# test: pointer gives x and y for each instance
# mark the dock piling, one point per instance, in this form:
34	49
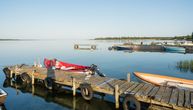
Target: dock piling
11	74
116	96
74	86
33	79
128	77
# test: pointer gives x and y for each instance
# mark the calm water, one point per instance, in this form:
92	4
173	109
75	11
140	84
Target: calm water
112	63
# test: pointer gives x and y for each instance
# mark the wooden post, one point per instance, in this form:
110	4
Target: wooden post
74	103
128	77
33	79
116	96
11	74
33	90
74	86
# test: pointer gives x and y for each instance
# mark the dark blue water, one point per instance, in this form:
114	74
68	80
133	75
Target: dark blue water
112	63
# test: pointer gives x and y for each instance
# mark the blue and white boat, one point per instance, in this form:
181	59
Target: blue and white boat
175	49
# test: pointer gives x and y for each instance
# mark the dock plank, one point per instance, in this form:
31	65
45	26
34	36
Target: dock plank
103	81
147	91
108	85
191	97
135	90
187	99
152	93
159	94
166	95
181	98
139	93
126	86
174	97
131	88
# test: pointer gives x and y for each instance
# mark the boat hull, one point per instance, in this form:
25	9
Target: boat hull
121	48
161	80
175	49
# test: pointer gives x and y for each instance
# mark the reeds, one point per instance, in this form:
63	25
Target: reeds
185	66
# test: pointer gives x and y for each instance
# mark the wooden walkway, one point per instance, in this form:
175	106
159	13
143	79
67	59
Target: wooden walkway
159	95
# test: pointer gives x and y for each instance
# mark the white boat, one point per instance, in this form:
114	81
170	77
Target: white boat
161	80
3	96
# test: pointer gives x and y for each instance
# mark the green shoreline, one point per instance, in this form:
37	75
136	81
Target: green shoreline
187	37
18	39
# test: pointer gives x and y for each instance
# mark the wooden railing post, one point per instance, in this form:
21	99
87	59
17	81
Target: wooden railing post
116	96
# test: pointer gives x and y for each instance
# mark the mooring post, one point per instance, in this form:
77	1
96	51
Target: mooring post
74	103
33	79
11	74
33	90
116	96
128	77
74	86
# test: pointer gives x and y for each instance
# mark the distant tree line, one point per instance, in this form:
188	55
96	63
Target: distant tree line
187	37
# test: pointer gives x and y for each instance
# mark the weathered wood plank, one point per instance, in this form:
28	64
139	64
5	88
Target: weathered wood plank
108	84
166	95
104	81
191	100
137	88
174	97
123	85
181	98
145	92
139	93
131	88
152	93
159	94
126	86
187	99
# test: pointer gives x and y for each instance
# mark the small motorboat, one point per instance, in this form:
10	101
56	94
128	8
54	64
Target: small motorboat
174	49
161	80
65	66
121	48
3	96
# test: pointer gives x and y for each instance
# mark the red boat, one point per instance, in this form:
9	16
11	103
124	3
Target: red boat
72	67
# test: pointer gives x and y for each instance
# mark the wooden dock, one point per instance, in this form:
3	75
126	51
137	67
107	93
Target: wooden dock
163	96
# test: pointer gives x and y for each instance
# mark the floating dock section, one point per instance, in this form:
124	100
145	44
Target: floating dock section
162	96
84	47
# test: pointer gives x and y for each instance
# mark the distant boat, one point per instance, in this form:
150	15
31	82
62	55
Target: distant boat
121	48
3	96
175	49
161	80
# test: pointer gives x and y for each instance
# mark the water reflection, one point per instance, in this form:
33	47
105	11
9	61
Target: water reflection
2	107
61	96
185	65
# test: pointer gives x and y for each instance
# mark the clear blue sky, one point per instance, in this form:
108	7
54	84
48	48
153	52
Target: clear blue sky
68	19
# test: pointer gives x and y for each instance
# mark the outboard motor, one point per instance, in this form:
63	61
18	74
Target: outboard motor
95	69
